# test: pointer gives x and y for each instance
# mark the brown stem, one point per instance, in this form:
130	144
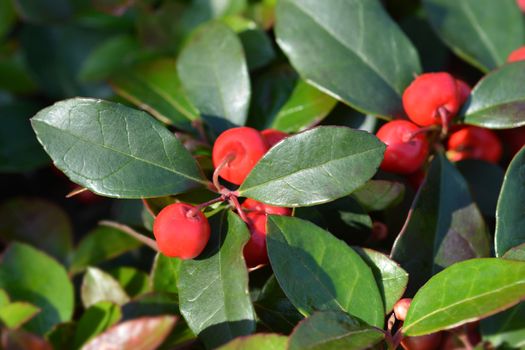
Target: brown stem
126	229
201	206
444	115
424	130
235	202
197	124
76	191
148	208
225	161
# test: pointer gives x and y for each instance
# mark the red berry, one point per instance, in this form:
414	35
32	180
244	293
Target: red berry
401	308
272	136
255	252
427	94
472	142
404	153
521	5
181	231
517	55
424	342
246	145
253	205
463	91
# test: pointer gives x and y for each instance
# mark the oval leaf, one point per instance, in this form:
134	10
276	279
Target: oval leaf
133	281
165	273
16	314
331	330
145	333
510	218
377	195
482	32
99	286
465	292
326	274
258	341
516	253
444	226
30	275
500	110
213	289
95	320
506	329
314	167
340	47
114	150
213	71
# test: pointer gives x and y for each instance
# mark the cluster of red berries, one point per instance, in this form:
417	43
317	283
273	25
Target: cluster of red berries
182	230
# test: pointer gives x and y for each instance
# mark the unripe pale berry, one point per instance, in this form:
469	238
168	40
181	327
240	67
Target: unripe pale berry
272	136
405	153
463	91
429	93
181	231
472	142
255	252
245	145
401	308
517	55
253	205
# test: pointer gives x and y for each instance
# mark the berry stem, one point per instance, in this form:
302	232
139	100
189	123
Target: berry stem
225	161
201	206
444	115
197	124
126	229
235	202
421	131
76	191
148	208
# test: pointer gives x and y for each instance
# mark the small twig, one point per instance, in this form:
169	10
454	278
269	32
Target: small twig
197	124
444	115
148	208
126	229
421	131
235	202
201	206
390	323
219	168
76	191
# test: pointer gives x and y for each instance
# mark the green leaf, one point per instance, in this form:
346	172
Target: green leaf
506	328
14	74
213	70
101	244
156	88
114	150
213	289
134	282
482	32
377	195
151	304
257	341
165	274
326	274
4	298
350	49
333	330
95	320
99	286
16	314
145	333
257	47
37	222
444	226
516	253
510	219
7	17
307	106
43	11
463	293
31	276
61	336
19	149
314	167
500	110
391	279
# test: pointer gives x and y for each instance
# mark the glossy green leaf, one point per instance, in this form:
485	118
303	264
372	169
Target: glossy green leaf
114	150
333	330
151	304
274	309
465	292
326	274
307	106
343	115
444	226
156	88
39	223
482	32
314	167
506	328
510	218
4	298
98	286
101	244
257	47
133	281
7	17
377	195
145	333
14	73
44	11
516	253
32	276
19	149
16	314
257	341
391	279
213	70
213	289
498	100
165	273
341	47
61	336
95	320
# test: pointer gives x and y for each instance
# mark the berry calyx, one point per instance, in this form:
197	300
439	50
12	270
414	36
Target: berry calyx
241	148
517	55
472	142
273	136
406	149
463	91
432	99
401	308
255	252
255	206
181	231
